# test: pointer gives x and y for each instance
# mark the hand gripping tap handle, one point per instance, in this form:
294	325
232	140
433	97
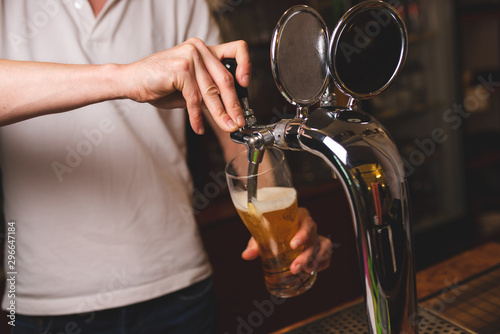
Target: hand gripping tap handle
242	92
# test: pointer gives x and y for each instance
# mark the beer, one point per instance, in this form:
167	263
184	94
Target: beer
267	203
271	218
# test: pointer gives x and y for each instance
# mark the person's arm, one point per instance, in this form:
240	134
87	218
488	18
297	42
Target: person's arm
30	89
188	75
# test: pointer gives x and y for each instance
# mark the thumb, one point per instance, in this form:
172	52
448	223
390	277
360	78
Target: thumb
252	250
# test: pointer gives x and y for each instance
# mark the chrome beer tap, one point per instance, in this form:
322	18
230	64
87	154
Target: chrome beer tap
366	51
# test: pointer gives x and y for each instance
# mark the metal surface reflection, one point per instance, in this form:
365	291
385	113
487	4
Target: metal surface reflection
355	145
373	178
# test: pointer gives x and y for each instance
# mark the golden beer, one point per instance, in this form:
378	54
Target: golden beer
272	221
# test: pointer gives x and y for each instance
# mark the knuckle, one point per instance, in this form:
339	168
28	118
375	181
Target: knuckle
183	65
242	44
328	243
190	49
227	79
234	105
219	113
194	99
310	265
194	41
212	91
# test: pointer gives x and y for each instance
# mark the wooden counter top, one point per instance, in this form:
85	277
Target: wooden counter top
457	269
439	278
465	289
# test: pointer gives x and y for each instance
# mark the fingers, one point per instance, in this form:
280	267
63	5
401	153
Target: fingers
196	71
317	251
252	250
324	255
314	258
217	84
198	87
189	87
307	229
239	51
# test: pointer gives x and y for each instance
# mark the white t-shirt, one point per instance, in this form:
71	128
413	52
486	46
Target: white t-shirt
101	196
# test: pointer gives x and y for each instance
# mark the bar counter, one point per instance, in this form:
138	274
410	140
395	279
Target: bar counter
464	290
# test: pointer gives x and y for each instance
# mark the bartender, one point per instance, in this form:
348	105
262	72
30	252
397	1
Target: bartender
93	152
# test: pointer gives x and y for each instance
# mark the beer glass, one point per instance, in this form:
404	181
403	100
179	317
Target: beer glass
270	214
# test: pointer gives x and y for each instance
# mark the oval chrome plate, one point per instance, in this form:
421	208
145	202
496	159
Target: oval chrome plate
299	55
367	50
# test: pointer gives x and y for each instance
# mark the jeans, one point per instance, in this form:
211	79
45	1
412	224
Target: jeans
187	311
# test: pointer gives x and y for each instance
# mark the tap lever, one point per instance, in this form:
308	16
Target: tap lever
230	64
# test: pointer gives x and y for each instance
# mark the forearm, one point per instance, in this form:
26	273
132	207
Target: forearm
30	89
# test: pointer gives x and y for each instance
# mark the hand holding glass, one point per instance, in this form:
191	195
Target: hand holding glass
271	218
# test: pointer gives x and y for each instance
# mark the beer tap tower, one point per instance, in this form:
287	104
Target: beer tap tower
365	52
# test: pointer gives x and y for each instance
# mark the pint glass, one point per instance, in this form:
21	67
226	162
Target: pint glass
271	218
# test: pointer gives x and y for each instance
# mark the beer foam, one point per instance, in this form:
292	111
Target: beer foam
268	199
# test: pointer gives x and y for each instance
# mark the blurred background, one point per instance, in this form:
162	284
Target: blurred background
443	112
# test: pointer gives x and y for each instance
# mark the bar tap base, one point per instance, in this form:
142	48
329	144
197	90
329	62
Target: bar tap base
458	295
352	319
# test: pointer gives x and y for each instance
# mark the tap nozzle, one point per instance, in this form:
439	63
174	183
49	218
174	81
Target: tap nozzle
254	137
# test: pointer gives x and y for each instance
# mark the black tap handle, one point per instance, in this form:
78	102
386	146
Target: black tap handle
231	65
